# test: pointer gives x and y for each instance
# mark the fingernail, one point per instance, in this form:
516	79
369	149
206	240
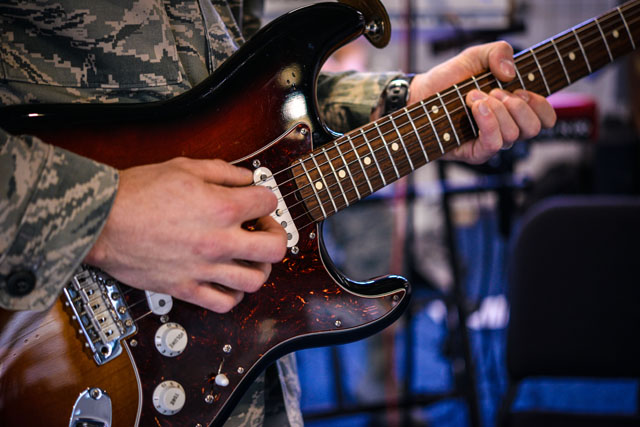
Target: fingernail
476	95
508	68
500	94
483	109
523	94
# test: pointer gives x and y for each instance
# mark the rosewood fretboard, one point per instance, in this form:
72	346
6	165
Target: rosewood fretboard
355	165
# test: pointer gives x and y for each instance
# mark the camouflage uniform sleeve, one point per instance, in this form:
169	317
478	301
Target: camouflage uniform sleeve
53	205
346	99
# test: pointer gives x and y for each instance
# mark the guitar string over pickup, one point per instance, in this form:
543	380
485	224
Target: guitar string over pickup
263	176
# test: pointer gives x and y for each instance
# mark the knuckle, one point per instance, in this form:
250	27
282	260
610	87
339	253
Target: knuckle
225	303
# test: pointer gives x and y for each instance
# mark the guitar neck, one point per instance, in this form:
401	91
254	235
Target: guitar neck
358	163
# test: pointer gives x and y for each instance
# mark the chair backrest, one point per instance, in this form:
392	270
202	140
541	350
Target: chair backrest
574	289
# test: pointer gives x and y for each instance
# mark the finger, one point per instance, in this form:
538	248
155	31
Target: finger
489	140
237	275
210	296
542	108
216	171
507	126
243	203
267	243
523	115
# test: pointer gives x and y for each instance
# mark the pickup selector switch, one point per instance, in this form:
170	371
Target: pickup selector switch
171	339
168	397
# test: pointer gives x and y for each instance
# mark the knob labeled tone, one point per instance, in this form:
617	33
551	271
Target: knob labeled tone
168	397
171	339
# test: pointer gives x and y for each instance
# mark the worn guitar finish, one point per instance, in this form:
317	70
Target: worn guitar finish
259	108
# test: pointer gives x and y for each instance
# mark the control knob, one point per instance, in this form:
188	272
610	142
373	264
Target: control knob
168	397
171	339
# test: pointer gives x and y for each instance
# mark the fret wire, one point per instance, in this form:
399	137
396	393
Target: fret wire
453	129
415	130
435	131
384	143
404	146
375	159
519	77
335	174
364	171
627	27
553	45
541	72
313	157
566	74
346	166
466	110
606	43
313	187
586	59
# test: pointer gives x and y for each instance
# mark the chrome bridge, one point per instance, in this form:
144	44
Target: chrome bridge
263	176
97	304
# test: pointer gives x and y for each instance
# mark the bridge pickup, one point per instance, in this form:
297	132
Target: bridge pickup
263	176
97	304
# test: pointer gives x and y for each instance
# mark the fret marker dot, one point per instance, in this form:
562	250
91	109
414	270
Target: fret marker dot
616	34
318	185
367	160
572	56
531	77
446	137
434	109
342	174
395	146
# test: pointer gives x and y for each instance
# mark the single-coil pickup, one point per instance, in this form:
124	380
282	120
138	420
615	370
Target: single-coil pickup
263	176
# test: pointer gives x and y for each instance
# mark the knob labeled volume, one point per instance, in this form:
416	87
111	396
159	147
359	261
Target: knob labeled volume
168	397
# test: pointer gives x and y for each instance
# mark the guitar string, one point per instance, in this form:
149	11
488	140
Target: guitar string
522	56
559	39
437	120
521	61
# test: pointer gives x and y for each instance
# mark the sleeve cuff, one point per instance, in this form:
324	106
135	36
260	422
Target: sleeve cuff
55	213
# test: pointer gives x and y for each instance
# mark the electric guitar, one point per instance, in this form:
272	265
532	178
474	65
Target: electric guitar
150	360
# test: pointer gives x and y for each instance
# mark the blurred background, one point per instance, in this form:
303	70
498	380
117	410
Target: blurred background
524	270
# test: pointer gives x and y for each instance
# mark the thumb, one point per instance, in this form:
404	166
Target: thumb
497	57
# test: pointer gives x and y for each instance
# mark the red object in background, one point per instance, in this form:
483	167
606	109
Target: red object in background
577	116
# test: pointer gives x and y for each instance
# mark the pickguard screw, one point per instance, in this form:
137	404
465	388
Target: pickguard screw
164	318
122	310
295	250
226	348
208	398
128	323
115	296
312	235
304	131
256	163
240	370
338	323
133	343
198	425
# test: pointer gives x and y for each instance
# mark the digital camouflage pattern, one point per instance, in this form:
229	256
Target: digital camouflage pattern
54	203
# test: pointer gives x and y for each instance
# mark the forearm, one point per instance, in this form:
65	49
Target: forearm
53	206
